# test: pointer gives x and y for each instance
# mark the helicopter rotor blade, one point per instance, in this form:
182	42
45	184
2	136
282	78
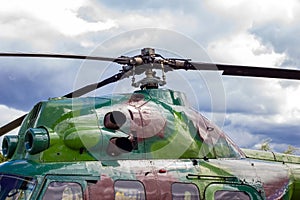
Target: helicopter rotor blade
86	89
233	70
248	71
12	125
120	60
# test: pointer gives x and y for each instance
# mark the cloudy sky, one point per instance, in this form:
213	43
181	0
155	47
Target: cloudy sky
260	33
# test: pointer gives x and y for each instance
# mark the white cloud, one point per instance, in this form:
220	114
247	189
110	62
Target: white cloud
247	13
59	15
9	114
267	28
244	138
245	48
291	109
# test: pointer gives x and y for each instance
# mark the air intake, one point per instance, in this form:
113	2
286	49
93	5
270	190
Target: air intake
36	140
9	145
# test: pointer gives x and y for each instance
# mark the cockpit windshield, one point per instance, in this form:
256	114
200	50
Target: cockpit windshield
15	187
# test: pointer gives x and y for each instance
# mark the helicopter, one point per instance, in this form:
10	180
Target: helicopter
148	144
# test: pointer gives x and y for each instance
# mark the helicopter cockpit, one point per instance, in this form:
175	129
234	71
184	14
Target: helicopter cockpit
154	122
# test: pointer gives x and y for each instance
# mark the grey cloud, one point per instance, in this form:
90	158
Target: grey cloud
283	37
153	5
24	82
253	96
285	132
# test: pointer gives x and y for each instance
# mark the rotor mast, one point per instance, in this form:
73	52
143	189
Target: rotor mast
151	81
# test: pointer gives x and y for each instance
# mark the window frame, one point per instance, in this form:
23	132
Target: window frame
232	191
186	183
127	180
66	184
29	180
48	179
212	188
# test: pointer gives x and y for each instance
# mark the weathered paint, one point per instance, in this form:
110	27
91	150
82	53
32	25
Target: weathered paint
172	143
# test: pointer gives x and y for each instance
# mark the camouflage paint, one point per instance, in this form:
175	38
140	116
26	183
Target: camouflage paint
173	144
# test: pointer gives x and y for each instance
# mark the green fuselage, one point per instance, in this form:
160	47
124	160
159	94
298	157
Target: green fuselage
162	150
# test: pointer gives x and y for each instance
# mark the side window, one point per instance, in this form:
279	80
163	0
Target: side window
16	187
229	191
126	189
63	190
229	195
182	191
